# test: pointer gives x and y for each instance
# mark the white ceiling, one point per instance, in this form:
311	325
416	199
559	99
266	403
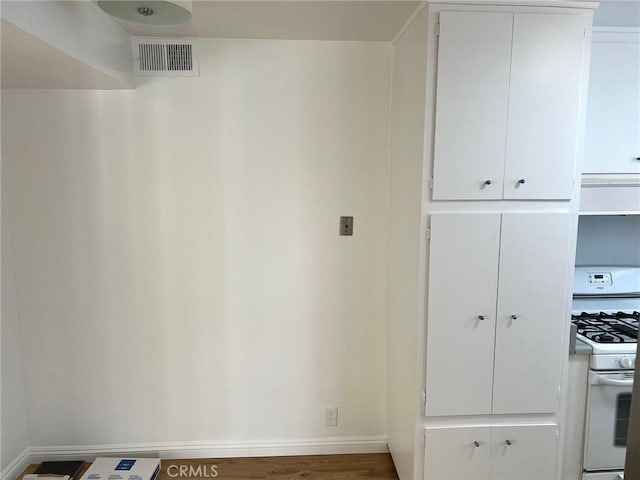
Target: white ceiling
300	20
28	62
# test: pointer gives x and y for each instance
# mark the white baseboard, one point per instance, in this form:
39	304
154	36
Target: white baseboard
17	466
315	446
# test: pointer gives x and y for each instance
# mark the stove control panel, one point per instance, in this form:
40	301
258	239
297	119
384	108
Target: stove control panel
627	362
613	362
599	278
596	280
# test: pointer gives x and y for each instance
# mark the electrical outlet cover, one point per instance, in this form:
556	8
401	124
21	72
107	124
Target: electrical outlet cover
346	226
331	417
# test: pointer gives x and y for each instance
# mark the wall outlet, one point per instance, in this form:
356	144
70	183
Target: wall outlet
331	417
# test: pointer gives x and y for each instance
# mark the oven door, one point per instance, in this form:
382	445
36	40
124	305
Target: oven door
607	423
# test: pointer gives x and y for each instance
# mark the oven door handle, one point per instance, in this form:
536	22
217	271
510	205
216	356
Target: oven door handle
602	380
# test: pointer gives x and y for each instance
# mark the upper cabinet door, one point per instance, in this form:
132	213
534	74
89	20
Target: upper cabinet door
532	316
544	101
471	105
463	271
612	136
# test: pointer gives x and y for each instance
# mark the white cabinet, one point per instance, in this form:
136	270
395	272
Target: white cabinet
484	95
612	136
471	107
492	345
534	269
516	452
463	264
524	452
507	105
457	453
544	104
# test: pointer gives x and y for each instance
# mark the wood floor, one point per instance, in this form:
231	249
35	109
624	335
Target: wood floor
378	466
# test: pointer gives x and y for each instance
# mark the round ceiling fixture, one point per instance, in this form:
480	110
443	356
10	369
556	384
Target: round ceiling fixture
149	12
145	12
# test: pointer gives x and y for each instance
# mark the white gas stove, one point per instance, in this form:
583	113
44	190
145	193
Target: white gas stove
606	314
606	309
612	334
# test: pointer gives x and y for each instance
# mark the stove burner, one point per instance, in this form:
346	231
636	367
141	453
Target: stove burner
604	338
602	327
627	330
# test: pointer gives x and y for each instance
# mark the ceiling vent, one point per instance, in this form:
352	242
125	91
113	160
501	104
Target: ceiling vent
170	57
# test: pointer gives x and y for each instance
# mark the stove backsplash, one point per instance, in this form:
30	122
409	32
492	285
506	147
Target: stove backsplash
608	240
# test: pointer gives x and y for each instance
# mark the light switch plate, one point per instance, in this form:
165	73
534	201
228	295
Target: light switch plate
346	226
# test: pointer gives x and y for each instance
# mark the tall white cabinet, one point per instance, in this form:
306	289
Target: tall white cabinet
484	187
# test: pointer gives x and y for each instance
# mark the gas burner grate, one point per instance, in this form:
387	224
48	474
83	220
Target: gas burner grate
608	327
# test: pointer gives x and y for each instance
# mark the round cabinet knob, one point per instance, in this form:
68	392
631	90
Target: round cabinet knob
521	181
480	317
476	444
514	317
627	362
637	158
508	442
487	182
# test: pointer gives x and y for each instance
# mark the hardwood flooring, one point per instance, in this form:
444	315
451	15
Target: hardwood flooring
377	466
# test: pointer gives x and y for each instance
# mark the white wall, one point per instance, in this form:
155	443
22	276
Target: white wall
14	438
178	268
608	240
620	13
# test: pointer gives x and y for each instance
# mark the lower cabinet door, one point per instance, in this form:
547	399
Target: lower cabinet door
457	453
524	452
532	299
463	280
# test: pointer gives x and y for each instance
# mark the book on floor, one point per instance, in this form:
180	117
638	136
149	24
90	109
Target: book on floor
45	476
105	468
71	468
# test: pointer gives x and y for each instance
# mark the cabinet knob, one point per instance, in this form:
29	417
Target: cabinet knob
521	181
508	442
487	182
480	317
514	317
476	444
637	158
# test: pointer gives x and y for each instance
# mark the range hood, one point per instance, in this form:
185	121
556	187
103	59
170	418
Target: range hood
610	193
